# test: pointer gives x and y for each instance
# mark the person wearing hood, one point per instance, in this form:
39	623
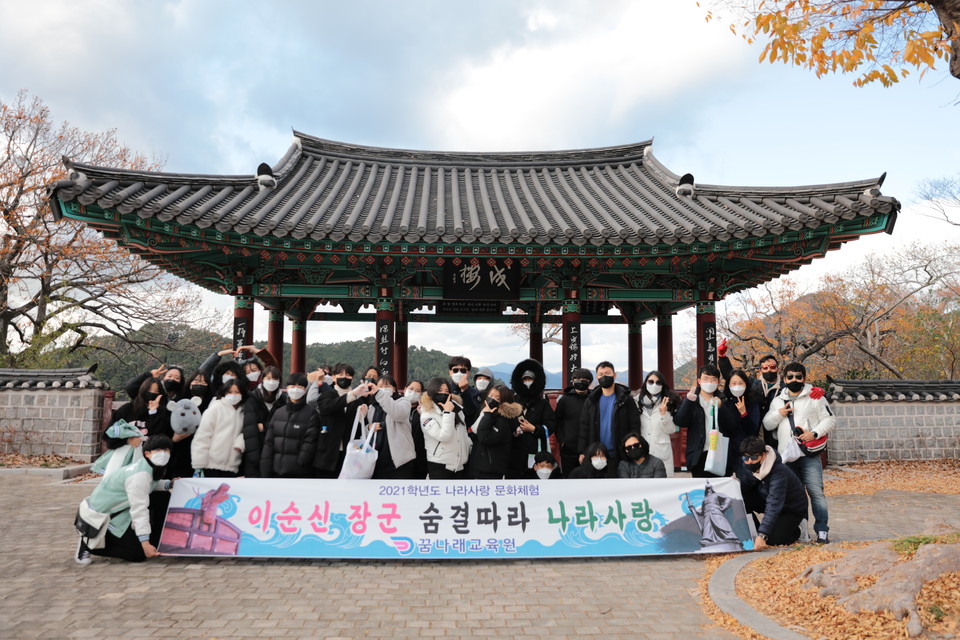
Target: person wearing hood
528	382
444	431
120	502
609	413
657	405
769	487
482	381
459	369
290	441
567	414
595	464
795	411
337	407
499	419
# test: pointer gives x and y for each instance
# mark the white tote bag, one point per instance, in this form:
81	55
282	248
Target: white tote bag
360	458
716	462
792	451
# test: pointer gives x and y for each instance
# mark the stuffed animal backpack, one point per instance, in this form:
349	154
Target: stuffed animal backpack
184	416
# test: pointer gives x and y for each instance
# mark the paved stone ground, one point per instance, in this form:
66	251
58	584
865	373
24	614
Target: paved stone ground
44	594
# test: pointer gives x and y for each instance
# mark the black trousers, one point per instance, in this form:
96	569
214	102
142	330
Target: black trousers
439	472
126	547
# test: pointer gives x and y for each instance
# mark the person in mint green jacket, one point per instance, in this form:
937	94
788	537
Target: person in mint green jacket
124	496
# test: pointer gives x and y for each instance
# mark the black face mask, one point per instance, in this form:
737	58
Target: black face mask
172	386
636	454
442	398
605	381
795	386
770	376
493	403
344	383
198	389
581	385
150	396
752	467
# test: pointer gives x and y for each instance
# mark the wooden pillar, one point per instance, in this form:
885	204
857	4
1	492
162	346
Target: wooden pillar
635	353
536	341
400	346
242	319
665	347
275	336
384	344
298	351
571	340
706	334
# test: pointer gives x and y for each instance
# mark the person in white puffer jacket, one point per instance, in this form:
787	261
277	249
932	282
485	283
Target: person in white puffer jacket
445	434
795	407
218	444
657	405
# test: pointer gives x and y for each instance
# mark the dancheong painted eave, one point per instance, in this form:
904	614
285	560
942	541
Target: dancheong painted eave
325	190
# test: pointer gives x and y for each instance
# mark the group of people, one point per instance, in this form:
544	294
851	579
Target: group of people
252	425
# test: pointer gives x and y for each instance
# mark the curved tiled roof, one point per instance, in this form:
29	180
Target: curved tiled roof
326	190
894	390
82	378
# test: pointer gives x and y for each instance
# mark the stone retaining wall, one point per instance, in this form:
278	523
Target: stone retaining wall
868	431
67	422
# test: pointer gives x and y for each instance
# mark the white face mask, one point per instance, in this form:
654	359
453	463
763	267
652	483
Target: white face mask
738	390
271	384
599	463
160	457
233	399
708	387
328	380
412	396
654	388
227	377
544	474
389	390
482	384
253	376
295	393
528	383
458	377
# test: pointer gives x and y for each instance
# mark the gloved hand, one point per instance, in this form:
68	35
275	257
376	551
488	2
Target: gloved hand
722	348
816	392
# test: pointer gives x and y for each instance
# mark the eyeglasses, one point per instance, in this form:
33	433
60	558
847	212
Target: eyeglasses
460	370
789	378
631	447
752	458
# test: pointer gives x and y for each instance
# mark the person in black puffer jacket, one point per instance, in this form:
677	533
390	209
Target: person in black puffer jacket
499	419
291	436
528	382
569	408
770	487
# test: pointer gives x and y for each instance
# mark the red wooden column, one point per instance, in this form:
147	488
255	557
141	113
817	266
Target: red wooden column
242	318
706	334
384	343
275	336
635	353
571	340
665	347
298	351
536	341
400	354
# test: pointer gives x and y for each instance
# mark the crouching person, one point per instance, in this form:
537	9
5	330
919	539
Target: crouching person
771	488
115	521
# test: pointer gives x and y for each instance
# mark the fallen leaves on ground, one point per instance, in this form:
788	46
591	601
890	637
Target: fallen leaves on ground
923	476
726	621
50	460
939	605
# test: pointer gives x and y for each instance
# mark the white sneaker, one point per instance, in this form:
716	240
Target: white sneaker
83	556
822	537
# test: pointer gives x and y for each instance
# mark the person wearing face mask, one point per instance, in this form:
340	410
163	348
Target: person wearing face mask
567	414
459	369
260	405
494	430
546	467
482	381
290	440
595	463
218	445
637	461
699	411
657	405
795	410
413	394
228	371
609	413
528	382
742	399
147	411
119	507
171	381
198	389
337	407
444	431
771	488
390	419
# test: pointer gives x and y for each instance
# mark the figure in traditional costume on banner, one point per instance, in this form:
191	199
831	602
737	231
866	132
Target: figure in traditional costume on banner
716	534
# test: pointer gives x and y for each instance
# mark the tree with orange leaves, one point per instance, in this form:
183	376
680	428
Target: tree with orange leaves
60	281
882	40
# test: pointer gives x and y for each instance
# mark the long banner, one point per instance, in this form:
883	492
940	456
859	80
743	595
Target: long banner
447	519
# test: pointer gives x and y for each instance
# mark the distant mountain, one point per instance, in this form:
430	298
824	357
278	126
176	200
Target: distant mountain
554	378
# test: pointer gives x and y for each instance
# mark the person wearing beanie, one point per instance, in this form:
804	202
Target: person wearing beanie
569	408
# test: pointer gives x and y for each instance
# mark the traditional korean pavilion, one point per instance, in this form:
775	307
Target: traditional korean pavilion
426	236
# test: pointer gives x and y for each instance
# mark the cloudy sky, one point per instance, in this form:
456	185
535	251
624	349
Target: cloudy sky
216	87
